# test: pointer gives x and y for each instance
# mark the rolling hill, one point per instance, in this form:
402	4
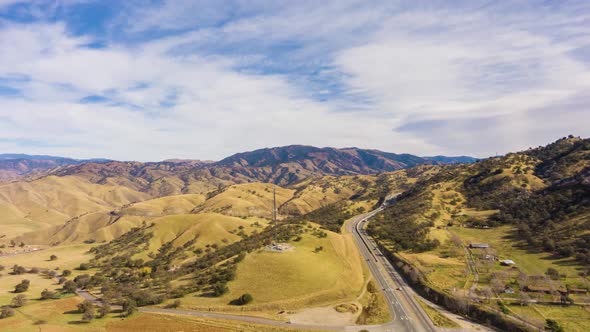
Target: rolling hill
52	200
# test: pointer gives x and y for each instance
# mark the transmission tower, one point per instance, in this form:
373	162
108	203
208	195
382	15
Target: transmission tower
274	204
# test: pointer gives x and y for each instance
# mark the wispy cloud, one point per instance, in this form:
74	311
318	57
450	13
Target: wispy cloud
204	79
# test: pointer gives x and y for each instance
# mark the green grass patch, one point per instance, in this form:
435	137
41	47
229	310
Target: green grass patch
436	317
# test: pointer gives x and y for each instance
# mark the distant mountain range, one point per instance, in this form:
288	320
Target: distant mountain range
16	166
280	165
453	160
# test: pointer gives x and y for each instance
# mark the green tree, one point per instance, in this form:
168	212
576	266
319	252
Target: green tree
22	287
219	289
245	299
69	287
46	294
129	307
85	306
552	273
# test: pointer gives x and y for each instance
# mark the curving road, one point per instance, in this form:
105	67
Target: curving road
407	315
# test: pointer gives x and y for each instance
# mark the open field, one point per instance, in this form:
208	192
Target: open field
60	315
171	323
533	263
68	257
38	284
572	318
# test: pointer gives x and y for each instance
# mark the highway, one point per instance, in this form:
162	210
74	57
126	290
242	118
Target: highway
407	315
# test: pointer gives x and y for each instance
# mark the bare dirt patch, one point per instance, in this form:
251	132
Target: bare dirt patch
324	316
279	247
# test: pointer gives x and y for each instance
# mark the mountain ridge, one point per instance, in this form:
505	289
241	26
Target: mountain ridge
280	165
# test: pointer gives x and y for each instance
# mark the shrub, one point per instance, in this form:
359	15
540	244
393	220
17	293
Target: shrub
17	269
84	266
174	304
46	294
85	306
53	258
88	315
19	301
103	310
6	312
552	326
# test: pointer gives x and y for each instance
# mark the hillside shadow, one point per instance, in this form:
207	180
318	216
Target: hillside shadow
78	322
235	302
71	312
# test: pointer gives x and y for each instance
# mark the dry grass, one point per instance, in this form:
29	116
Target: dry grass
250	199
68	257
168	205
170	323
49	201
295	279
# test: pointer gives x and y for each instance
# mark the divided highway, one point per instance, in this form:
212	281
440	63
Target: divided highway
407	314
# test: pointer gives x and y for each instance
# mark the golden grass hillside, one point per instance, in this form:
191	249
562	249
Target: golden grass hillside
207	228
303	277
168	205
249	199
315	193
50	201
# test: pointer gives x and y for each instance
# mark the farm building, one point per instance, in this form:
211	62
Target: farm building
578	291
542	289
507	262
478	245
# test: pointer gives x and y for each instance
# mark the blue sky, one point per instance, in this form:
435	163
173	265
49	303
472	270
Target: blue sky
150	80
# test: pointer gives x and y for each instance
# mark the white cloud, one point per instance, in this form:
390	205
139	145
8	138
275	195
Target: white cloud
182	96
